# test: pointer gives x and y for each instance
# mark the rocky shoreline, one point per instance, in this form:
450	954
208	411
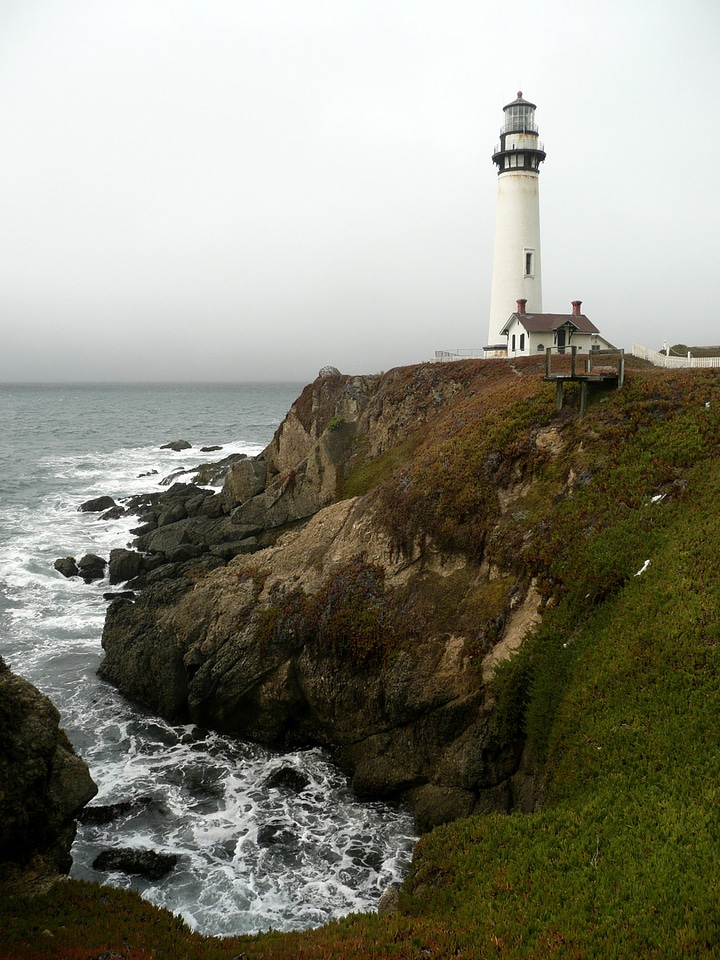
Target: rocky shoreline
280	609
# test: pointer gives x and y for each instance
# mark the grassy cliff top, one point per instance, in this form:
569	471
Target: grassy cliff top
616	692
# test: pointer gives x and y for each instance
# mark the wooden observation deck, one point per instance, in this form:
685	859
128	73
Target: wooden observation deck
600	367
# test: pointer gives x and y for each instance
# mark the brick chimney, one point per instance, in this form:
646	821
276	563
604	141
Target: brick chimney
576	304
521	306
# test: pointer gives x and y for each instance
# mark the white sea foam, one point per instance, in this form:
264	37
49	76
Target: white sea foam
250	856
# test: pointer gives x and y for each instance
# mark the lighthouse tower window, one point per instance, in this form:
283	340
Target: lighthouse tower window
529	265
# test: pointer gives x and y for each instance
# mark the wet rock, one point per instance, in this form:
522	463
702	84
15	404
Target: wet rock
210	474
108	812
67	566
124	594
143	863
91	567
43	784
274	835
104	813
287	778
210	449
177	445
124	565
114	513
97	505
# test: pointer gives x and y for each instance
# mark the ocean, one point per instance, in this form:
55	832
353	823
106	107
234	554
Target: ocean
186	791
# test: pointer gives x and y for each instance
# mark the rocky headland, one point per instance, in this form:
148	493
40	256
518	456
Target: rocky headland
465	519
314	601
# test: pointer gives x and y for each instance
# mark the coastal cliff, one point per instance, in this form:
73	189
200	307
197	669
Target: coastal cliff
365	615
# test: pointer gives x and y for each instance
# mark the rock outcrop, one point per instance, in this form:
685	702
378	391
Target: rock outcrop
43	783
313	624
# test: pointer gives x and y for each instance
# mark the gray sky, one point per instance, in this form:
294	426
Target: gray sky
233	190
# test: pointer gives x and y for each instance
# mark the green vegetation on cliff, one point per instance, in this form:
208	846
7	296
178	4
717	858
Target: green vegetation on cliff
615	694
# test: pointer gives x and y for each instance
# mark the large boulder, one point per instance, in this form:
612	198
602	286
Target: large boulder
97	505
67	566
92	567
43	783
177	445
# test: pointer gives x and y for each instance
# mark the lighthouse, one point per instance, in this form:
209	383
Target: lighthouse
516	261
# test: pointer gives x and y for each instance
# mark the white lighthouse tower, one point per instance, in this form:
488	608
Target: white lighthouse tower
516	262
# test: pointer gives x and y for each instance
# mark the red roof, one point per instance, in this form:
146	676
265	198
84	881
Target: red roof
547	322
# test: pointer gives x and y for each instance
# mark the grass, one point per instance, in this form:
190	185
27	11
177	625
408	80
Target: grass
615	695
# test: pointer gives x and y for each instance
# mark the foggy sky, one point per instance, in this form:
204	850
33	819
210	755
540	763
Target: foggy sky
220	189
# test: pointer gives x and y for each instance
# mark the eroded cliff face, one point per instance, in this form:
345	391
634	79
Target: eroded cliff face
336	632
43	783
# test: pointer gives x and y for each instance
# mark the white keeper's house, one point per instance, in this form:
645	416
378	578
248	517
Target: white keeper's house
529	333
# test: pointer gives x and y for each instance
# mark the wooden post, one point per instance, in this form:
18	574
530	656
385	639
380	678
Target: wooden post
588	361
573	362
621	369
583	397
558	396
547	361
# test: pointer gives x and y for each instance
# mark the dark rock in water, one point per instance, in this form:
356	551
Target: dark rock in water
124	565
143	863
275	834
172	477
210	474
114	513
104	813
142	503
287	778
67	566
107	812
211	449
97	505
43	784
144	528
177	445
124	594
91	567
148	473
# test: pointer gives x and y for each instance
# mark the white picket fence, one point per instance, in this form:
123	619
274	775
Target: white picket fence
661	360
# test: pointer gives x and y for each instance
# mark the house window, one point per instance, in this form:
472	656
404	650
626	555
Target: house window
540	348
529	263
513	343
522	342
